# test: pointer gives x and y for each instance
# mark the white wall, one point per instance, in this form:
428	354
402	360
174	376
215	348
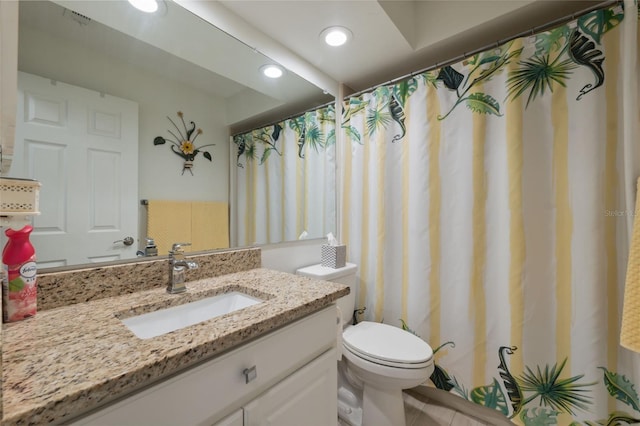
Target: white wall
159	169
292	255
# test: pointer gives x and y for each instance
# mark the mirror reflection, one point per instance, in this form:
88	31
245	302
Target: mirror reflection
98	82
286	176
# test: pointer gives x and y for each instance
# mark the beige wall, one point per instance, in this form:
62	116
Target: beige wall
8	78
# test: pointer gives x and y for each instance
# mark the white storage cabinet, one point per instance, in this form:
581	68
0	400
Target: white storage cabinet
287	377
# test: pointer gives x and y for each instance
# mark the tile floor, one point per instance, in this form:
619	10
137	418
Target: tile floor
431	407
429	413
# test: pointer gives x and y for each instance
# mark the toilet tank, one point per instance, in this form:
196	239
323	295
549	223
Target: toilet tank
345	275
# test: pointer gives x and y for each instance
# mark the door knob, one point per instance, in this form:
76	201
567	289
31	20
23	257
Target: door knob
127	241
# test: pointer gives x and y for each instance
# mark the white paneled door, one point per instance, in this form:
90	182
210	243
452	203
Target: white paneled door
83	147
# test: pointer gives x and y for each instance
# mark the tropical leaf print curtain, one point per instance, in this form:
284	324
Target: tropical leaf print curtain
286	179
484	204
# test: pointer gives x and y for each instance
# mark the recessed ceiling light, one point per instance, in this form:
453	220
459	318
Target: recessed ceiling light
336	36
148	6
272	71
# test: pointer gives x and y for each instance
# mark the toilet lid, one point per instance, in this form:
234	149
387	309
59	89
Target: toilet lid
385	343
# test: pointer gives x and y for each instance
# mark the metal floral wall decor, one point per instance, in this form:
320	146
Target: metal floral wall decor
183	144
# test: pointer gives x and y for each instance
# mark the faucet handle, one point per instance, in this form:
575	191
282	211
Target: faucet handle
177	247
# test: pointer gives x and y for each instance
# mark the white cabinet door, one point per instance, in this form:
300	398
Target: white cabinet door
234	419
307	397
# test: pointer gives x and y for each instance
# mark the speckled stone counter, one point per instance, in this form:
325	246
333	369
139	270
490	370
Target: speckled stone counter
68	360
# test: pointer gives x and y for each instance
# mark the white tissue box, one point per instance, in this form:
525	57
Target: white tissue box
333	256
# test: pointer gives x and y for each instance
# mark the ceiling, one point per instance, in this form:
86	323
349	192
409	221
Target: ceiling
203	57
392	38
396	37
63	24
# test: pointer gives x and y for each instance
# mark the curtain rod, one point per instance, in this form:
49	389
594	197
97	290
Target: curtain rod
315	108
493	45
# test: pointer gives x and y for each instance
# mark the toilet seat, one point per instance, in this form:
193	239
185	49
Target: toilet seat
387	345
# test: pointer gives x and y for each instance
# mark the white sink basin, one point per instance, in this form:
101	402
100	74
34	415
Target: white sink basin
156	323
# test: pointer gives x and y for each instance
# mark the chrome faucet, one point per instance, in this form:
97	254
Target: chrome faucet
177	267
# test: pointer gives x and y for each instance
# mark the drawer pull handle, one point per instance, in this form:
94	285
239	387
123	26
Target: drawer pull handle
250	374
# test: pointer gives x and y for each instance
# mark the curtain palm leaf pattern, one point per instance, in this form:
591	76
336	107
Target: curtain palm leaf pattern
481	202
285	179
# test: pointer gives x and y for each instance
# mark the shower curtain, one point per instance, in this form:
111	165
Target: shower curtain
286	179
488	204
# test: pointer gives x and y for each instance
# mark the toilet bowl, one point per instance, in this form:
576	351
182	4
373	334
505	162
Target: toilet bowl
386	360
378	361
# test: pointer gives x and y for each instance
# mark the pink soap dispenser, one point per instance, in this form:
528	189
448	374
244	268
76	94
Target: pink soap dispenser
19	288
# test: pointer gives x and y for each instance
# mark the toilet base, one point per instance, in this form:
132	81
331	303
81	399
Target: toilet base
349	397
349	415
382	407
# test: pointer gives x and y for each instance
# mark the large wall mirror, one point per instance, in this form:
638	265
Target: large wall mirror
109	78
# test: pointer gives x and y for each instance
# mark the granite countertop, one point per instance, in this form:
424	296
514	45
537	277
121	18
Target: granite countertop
68	360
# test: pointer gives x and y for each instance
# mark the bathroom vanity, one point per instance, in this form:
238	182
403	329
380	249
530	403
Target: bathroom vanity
273	362
287	377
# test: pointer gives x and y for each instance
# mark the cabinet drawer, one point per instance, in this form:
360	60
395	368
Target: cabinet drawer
207	392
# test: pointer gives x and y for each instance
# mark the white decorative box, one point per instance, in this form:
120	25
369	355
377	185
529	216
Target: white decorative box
333	256
19	196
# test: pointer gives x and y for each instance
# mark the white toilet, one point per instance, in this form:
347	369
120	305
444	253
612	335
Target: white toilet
379	360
